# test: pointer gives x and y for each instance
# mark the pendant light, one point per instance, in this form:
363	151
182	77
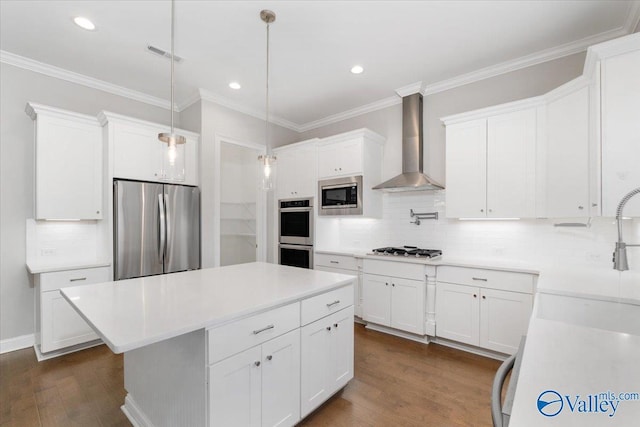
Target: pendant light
267	161
173	159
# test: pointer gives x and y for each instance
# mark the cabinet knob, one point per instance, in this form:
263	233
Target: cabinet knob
269	357
328	328
335	325
257	363
386	284
580	207
475	296
594	204
393	284
97	212
481	210
340	169
484	297
490	210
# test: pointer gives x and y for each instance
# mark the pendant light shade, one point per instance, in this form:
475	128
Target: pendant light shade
173	158
267	162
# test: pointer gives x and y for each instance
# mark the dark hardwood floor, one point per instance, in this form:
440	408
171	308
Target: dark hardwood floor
397	383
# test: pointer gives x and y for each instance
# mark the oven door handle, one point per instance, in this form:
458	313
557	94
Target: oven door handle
309	209
298	247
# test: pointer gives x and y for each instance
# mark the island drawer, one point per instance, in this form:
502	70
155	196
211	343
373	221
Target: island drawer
344	262
317	307
234	337
493	279
62	279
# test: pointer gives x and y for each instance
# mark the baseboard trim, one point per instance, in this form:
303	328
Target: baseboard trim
134	414
470	349
17	343
56	353
401	334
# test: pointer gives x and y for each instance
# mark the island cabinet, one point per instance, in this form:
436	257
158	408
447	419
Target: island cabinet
395	295
327	352
483	308
344	264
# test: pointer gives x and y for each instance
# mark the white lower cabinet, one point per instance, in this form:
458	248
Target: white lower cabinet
395	302
327	358
493	319
258	387
58	324
343	264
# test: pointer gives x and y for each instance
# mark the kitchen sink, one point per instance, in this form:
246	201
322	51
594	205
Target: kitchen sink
591	313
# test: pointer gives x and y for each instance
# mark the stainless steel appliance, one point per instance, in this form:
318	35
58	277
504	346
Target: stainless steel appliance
296	232
407	251
156	228
340	196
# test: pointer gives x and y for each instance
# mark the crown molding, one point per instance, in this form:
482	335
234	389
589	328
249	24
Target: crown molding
481	113
407	90
104	117
70	76
205	95
33	110
633	17
525	61
368	108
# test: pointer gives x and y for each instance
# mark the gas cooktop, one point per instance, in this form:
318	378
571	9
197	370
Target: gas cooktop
408	251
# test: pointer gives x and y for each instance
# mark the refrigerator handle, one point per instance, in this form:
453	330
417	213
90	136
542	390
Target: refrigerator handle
161	226
168	224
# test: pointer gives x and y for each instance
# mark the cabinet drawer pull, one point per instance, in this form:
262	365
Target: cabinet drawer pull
269	357
333	303
257	363
328	328
334	262
266	328
479	278
78	279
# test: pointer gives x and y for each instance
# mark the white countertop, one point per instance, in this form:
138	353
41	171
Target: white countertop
132	313
576	361
36	268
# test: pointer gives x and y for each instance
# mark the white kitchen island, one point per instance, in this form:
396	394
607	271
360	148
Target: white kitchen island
250	345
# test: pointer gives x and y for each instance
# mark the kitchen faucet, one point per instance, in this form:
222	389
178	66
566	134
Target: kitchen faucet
620	253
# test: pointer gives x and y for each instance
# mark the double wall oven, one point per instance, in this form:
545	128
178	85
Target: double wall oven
295	243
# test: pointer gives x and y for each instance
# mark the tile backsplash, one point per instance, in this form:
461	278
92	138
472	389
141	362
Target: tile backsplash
529	240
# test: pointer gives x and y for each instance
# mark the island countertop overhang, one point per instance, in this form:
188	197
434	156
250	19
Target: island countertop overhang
133	313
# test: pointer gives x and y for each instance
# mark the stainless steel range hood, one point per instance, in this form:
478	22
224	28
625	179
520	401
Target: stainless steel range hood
412	177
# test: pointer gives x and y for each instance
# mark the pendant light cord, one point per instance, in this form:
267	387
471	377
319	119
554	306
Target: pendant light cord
172	81
266	124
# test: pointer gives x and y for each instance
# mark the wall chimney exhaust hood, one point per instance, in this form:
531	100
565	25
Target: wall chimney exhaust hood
412	177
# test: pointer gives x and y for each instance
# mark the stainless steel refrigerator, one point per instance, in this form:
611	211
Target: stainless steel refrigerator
156	228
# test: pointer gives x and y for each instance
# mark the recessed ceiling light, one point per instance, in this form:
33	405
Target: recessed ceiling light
234	85
357	69
85	23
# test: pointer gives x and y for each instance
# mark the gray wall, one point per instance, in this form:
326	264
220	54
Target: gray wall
17	87
524	83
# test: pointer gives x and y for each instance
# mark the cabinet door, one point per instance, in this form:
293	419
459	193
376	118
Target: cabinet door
68	169
306	180
191	162
466	172
567	156
376	305
137	153
340	159
315	347
620	88
457	313
281	380
511	150
504	318
341	367
235	390
286	174
62	326
407	305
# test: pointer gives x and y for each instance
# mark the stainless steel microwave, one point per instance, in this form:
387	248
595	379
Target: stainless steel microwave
340	196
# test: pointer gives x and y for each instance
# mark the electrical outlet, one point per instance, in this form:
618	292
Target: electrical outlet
48	251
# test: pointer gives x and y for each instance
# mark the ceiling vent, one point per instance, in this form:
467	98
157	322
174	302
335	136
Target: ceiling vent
160	52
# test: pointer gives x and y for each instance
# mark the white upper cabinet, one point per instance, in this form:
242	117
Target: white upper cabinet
296	170
358	152
565	156
491	165
620	121
136	152
68	164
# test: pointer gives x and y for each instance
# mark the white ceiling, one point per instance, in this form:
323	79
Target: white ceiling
313	45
